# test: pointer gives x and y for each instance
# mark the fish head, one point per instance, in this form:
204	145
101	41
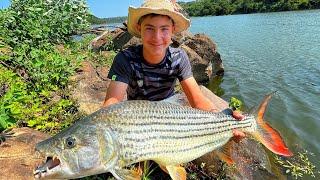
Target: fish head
80	150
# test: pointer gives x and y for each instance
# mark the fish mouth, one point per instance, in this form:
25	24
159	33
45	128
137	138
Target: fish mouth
45	169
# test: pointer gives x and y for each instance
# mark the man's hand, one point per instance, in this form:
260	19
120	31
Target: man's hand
238	115
237	134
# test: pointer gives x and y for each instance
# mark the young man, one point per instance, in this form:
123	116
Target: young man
150	71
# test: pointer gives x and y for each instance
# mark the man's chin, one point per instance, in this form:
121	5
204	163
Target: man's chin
158	50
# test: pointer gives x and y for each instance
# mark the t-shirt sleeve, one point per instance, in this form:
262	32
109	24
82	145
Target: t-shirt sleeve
185	67
120	69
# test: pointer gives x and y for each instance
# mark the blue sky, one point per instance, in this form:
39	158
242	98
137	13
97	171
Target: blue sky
103	8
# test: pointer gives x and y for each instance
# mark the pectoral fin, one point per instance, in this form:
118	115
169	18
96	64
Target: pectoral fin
127	174
177	172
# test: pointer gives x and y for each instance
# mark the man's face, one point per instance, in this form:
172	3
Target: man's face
156	35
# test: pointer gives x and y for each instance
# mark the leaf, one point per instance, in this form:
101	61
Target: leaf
32	123
288	171
4	121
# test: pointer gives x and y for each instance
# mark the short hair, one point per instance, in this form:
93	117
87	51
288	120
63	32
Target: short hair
153	15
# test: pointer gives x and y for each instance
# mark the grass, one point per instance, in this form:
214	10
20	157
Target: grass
298	166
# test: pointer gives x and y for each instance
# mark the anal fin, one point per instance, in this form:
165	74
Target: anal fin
127	174
177	172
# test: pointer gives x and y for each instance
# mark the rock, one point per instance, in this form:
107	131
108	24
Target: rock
116	39
133	41
98	42
17	155
250	162
180	38
90	87
198	65
207	50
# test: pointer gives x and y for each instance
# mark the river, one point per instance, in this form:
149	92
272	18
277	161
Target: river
270	52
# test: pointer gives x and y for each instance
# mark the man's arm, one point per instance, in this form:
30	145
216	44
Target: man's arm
199	101
115	93
195	96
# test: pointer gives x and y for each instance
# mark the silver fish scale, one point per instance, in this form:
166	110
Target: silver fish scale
168	133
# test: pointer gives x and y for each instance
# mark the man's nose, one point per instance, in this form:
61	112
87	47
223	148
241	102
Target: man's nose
157	34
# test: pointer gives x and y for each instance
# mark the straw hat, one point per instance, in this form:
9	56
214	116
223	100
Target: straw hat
163	7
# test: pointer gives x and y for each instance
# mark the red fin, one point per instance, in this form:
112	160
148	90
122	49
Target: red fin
267	135
263	107
224	154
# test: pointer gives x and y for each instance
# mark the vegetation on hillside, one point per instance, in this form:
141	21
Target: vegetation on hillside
36	61
95	20
224	7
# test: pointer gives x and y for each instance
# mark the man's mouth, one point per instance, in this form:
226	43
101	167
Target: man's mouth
44	169
156	45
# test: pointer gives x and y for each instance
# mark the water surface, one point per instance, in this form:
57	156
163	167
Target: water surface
270	52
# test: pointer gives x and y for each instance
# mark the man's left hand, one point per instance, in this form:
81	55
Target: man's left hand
238	115
237	134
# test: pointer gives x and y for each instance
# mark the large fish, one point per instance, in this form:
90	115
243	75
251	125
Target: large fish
133	131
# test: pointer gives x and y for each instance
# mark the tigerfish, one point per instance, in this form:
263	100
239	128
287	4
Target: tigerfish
132	131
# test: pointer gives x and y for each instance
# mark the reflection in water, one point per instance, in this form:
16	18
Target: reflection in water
215	85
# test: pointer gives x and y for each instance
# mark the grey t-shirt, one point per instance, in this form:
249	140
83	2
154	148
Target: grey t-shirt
147	81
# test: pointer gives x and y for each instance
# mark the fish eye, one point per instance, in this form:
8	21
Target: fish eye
70	142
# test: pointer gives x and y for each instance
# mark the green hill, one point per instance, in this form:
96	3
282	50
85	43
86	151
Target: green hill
223	7
95	20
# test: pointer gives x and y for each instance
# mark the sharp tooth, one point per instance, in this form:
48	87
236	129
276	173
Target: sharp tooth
37	155
37	176
36	172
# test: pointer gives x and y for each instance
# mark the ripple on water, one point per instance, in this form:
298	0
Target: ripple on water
273	51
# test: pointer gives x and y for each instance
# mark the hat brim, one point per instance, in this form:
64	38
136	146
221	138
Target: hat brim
181	23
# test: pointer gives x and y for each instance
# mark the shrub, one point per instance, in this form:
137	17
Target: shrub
37	23
13	98
34	72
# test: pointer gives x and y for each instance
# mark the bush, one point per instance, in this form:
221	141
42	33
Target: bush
34	72
37	23
13	98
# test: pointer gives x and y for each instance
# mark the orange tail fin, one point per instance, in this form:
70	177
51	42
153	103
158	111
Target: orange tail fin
267	135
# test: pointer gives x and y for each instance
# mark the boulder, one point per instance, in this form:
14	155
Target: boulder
17	154
98	42
199	65
90	87
132	42
207	50
180	38
250	162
